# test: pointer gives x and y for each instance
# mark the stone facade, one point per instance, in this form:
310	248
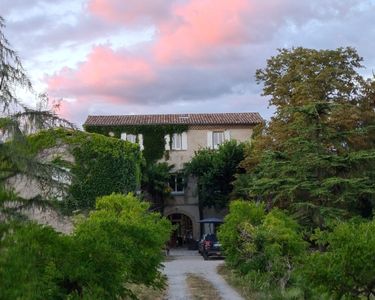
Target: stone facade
203	130
186	202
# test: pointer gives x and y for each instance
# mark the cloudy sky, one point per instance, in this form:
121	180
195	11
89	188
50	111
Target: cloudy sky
172	56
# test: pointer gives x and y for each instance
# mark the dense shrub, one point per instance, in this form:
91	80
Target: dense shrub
119	243
347	268
240	212
262	247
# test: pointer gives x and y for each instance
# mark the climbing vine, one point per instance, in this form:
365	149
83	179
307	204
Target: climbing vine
153	136
102	165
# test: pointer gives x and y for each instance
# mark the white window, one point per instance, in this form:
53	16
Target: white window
131	138
176	183
216	138
177	141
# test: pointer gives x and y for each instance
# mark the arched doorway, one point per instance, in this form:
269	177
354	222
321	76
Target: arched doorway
182	235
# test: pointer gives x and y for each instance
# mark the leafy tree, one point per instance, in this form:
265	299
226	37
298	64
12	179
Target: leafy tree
215	170
346	270
120	243
316	156
155	179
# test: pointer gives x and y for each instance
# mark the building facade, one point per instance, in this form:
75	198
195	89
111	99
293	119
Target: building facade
193	132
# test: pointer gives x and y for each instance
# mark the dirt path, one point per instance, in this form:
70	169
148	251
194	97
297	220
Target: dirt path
190	262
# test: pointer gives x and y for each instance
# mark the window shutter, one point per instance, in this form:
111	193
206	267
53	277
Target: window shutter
184	141
167	140
123	136
140	141
227	135
209	139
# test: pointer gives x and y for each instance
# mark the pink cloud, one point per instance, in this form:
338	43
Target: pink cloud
201	26
102	72
102	77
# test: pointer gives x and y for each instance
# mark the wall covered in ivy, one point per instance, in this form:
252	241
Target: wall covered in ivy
153	136
102	165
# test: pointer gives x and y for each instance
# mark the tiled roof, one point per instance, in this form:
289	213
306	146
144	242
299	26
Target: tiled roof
246	118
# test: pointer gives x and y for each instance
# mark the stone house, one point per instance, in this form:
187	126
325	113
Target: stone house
196	131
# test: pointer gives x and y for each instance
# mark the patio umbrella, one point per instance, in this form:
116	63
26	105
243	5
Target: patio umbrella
211	220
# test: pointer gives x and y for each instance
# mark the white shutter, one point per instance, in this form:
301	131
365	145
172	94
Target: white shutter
227	135
123	136
140	141
209	139
167	140
184	141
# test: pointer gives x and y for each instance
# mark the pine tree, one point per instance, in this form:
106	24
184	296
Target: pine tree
17	120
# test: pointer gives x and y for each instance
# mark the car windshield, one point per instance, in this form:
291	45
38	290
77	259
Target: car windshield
211	237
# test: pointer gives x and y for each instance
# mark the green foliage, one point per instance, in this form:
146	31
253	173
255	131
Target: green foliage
102	165
155	180
240	212
31	262
346	270
119	243
263	248
134	237
215	170
316	156
153	136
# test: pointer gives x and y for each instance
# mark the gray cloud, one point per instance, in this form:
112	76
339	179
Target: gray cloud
220	79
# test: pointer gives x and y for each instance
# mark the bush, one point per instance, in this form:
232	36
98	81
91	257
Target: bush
31	257
347	268
119	243
261	247
240	212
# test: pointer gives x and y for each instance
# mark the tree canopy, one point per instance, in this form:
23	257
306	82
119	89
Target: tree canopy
215	171
316	156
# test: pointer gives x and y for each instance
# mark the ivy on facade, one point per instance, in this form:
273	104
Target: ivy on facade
153	136
101	165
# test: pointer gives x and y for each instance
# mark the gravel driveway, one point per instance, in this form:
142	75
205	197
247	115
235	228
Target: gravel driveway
184	262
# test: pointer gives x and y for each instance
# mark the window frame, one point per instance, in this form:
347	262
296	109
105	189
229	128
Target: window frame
215	133
133	138
174	189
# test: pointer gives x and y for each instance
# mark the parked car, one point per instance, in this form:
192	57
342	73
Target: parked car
209	246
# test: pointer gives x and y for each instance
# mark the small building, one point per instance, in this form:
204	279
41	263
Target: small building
178	137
